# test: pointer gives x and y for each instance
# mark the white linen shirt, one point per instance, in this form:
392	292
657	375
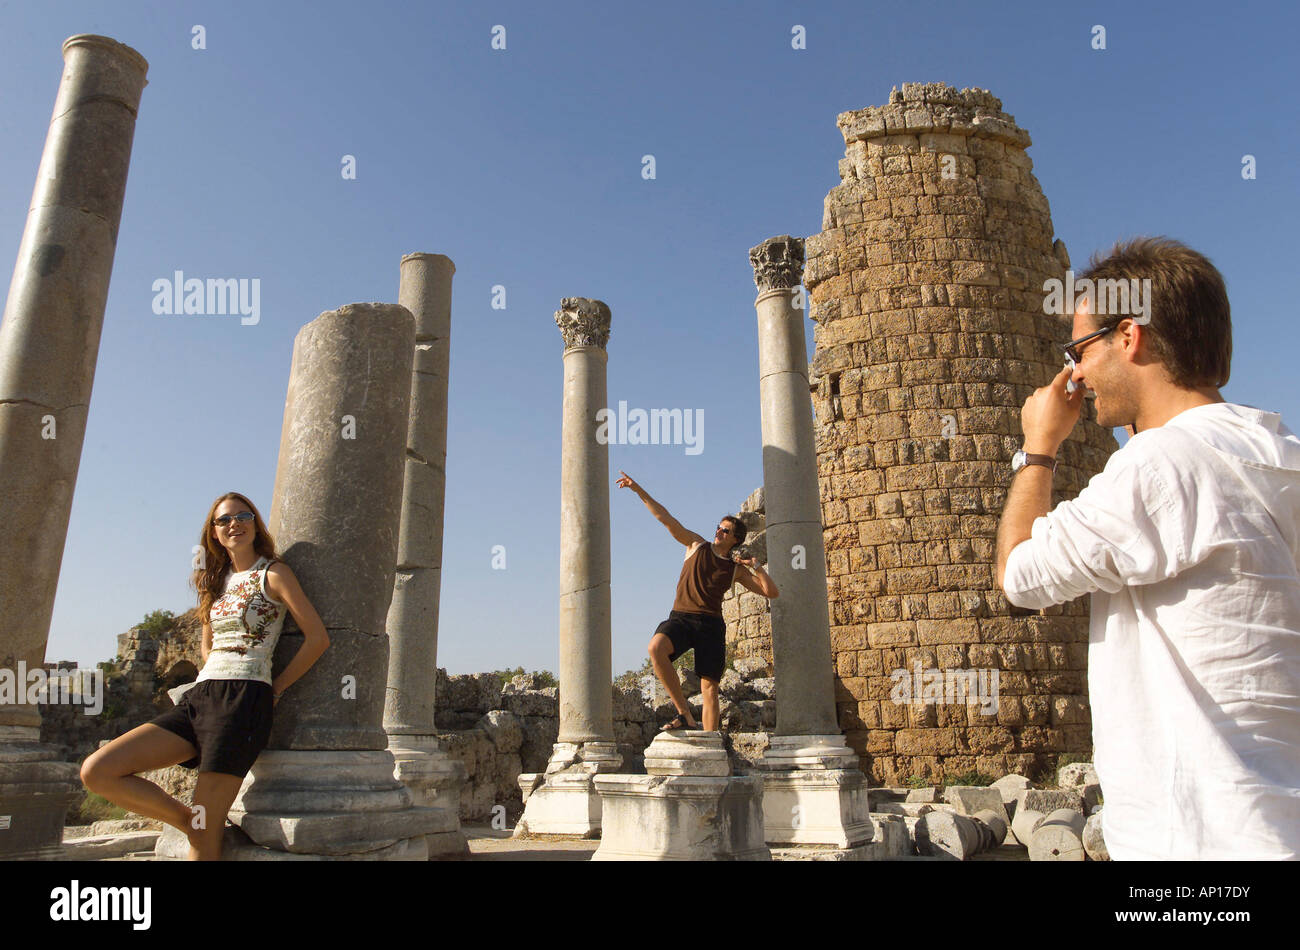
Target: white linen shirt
1189	542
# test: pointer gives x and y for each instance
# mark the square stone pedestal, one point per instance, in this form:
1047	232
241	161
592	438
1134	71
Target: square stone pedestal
36	791
563	801
816	807
435	781
688	808
332	804
815	796
681	818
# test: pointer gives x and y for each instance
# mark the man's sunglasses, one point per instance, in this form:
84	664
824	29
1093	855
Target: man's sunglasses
1071	348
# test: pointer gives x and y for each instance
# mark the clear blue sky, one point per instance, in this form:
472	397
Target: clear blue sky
524	167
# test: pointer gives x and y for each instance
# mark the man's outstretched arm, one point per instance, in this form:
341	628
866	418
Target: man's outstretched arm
680	534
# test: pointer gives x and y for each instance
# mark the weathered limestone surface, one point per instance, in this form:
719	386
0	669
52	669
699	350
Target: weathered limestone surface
325	785
49	344
813	793
688	808
801	647
566	800
926	287
1059	837
423	765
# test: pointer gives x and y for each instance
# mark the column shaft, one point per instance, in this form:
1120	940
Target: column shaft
413	617
49	340
49	344
586	703
801	637
325	785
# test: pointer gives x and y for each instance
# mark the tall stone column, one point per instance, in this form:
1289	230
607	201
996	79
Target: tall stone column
813	791
434	778
325	786
49	343
567	802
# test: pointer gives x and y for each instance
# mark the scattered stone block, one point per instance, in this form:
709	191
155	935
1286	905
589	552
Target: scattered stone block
1022	827
1049	800
1077	774
1059	837
889	838
969	800
1009	786
947	835
1094	845
996	823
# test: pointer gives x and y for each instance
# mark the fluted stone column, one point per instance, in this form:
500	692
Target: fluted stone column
566	802
325	786
813	790
434	778
49	343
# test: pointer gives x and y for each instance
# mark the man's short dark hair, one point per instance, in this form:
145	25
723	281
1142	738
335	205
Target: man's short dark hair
738	529
1190	330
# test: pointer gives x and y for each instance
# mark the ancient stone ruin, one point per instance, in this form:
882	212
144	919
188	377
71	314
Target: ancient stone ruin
926	291
877	520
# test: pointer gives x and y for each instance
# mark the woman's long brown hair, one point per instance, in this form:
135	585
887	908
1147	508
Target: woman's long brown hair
210	579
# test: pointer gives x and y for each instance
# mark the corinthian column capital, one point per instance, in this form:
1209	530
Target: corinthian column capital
777	263
583	322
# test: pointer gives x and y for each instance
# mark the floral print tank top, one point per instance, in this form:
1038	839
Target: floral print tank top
246	624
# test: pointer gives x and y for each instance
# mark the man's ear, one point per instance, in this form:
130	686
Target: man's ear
1131	339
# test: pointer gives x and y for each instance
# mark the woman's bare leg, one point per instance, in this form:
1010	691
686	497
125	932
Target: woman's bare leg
213	796
110	772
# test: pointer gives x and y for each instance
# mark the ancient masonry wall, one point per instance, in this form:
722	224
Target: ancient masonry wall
926	291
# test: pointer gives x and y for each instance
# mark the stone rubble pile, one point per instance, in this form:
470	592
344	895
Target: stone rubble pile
961	821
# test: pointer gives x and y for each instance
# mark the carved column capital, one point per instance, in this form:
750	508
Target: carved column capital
583	322
778	263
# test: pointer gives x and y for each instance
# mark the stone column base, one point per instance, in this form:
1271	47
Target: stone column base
683	752
681	818
435	780
335	803
563	801
816	807
808	752
36	791
237	846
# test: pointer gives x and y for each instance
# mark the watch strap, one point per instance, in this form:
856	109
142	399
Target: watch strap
1045	460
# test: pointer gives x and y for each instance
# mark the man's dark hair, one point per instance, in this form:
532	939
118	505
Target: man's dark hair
1190	330
738	529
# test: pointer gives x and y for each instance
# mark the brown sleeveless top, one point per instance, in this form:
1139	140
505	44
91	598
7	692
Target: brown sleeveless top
705	579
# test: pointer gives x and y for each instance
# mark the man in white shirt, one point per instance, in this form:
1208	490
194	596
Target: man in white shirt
1189	543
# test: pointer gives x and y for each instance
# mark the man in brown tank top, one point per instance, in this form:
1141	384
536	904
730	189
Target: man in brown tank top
695	621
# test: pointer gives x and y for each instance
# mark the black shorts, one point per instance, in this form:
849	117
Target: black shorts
228	721
706	634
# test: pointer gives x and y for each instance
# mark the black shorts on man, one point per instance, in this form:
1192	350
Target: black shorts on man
228	721
706	634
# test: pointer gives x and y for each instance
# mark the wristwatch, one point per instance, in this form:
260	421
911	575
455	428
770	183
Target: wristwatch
1023	458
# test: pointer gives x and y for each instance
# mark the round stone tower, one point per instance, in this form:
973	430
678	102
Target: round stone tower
927	293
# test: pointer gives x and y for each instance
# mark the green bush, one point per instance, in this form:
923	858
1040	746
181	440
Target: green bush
970	778
112	710
631	679
94	808
157	623
918	781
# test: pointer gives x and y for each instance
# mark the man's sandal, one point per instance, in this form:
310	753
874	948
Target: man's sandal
677	723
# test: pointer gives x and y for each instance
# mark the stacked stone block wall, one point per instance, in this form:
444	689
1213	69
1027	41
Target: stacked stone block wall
926	288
